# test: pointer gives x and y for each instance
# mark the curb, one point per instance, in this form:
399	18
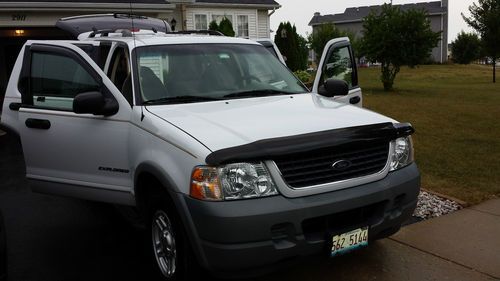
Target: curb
458	201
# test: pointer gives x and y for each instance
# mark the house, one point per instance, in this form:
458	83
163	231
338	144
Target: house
352	20
35	19
250	18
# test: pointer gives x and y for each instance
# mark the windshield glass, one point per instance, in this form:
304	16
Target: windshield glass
205	72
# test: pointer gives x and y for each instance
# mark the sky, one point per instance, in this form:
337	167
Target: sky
301	12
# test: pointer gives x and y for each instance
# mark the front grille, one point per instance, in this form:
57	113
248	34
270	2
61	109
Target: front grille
315	167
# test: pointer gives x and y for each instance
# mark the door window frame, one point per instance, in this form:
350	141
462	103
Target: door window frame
24	84
355	79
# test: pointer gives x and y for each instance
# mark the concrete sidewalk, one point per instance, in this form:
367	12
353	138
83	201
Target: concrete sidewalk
461	246
469	238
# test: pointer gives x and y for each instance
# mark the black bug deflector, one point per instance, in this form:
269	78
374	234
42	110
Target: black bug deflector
81	24
271	148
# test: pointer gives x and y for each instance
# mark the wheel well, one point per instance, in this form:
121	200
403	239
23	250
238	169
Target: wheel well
148	185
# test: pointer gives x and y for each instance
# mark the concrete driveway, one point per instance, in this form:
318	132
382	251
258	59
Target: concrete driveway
52	238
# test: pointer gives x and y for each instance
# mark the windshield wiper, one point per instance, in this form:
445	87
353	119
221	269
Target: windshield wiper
179	99
258	93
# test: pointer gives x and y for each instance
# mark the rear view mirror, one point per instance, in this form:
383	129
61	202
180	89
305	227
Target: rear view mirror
94	103
334	87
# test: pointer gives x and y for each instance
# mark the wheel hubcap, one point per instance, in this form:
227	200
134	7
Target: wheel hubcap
164	244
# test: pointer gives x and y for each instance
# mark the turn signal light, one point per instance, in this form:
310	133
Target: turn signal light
205	184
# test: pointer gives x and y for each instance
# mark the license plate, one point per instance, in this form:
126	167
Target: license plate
349	241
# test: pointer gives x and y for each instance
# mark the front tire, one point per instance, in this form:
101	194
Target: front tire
164	244
170	249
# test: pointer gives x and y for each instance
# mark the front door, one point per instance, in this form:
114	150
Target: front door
338	62
73	152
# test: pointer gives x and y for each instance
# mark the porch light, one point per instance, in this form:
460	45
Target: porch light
173	23
19	31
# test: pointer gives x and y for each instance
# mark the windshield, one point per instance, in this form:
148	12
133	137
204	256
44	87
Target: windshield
206	72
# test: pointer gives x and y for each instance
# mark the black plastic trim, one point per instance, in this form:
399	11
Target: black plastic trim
14	106
37	124
40	48
270	148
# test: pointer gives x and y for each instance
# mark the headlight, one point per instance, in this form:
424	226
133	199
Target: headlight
402	153
232	182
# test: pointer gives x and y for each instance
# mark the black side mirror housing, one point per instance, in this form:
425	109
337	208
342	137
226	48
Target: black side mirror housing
94	103
334	87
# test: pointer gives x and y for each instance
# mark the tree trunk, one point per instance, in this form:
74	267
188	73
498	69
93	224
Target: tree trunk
494	70
389	73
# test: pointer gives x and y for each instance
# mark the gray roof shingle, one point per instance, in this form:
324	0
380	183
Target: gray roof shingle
357	14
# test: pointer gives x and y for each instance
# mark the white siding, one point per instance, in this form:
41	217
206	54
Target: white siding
253	29
263	28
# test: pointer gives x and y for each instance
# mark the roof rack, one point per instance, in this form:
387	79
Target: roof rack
206	32
107	23
106	32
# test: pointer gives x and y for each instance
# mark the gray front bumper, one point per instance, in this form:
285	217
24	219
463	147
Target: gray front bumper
240	235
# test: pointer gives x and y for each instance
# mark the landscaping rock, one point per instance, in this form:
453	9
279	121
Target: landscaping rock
432	206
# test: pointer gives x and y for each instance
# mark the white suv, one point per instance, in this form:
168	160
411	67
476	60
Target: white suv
234	164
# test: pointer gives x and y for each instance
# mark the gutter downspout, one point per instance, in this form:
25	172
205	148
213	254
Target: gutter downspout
271	13
184	16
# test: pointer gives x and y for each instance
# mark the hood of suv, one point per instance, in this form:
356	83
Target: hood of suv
224	124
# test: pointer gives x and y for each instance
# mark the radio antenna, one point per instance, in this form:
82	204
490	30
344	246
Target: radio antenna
133	36
132	19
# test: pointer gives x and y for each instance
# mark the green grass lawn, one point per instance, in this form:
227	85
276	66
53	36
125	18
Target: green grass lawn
456	113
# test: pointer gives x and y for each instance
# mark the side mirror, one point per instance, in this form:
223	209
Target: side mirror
94	103
334	87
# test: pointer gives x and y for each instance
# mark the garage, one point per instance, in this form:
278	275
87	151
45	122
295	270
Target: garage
35	20
11	42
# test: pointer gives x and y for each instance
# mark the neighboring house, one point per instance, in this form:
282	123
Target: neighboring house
352	20
35	19
250	18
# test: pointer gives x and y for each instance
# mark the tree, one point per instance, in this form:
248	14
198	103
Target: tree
226	27
303	52
485	19
466	48
213	26
396	38
292	46
321	35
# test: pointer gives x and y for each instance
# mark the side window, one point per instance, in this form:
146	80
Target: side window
57	79
339	65
103	54
98	53
119	73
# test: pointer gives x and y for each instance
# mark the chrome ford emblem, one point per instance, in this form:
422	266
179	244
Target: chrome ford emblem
341	165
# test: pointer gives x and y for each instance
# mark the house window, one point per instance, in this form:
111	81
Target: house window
201	22
218	18
243	26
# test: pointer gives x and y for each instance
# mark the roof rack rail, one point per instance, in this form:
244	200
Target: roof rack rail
207	32
106	32
128	16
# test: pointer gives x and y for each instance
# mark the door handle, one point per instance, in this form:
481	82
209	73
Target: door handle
37	124
14	106
355	100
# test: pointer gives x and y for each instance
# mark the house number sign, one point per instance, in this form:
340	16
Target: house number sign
18	17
